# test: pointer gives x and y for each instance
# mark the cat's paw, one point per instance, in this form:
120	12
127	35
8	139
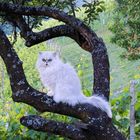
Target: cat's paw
50	93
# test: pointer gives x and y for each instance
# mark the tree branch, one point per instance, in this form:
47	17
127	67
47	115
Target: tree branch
95	45
23	92
50	12
57	31
99	126
40	124
33	38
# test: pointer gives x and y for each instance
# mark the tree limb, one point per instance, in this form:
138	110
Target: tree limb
40	124
95	45
99	126
33	38
37	99
23	92
50	12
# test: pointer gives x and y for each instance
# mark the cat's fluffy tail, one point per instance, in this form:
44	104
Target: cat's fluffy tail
99	102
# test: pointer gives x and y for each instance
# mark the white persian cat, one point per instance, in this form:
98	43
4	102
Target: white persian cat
63	83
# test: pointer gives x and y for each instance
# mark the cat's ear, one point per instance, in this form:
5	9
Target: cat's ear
40	53
56	54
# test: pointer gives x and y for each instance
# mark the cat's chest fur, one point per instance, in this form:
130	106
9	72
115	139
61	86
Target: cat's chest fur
50	77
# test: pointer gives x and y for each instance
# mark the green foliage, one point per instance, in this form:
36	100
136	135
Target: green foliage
126	27
92	10
121	109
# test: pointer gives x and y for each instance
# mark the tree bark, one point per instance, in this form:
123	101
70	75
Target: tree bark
98	125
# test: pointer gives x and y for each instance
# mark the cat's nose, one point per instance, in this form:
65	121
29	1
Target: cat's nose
46	64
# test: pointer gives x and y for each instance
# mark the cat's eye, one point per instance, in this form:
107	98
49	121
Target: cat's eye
44	60
49	60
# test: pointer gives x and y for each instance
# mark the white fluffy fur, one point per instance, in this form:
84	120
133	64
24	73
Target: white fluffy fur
63	83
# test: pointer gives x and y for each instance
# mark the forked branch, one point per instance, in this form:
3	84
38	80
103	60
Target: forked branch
99	126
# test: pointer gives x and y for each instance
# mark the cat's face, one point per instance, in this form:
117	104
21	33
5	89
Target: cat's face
47	59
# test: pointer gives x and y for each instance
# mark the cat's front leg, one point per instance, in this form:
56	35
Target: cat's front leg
50	93
49	90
